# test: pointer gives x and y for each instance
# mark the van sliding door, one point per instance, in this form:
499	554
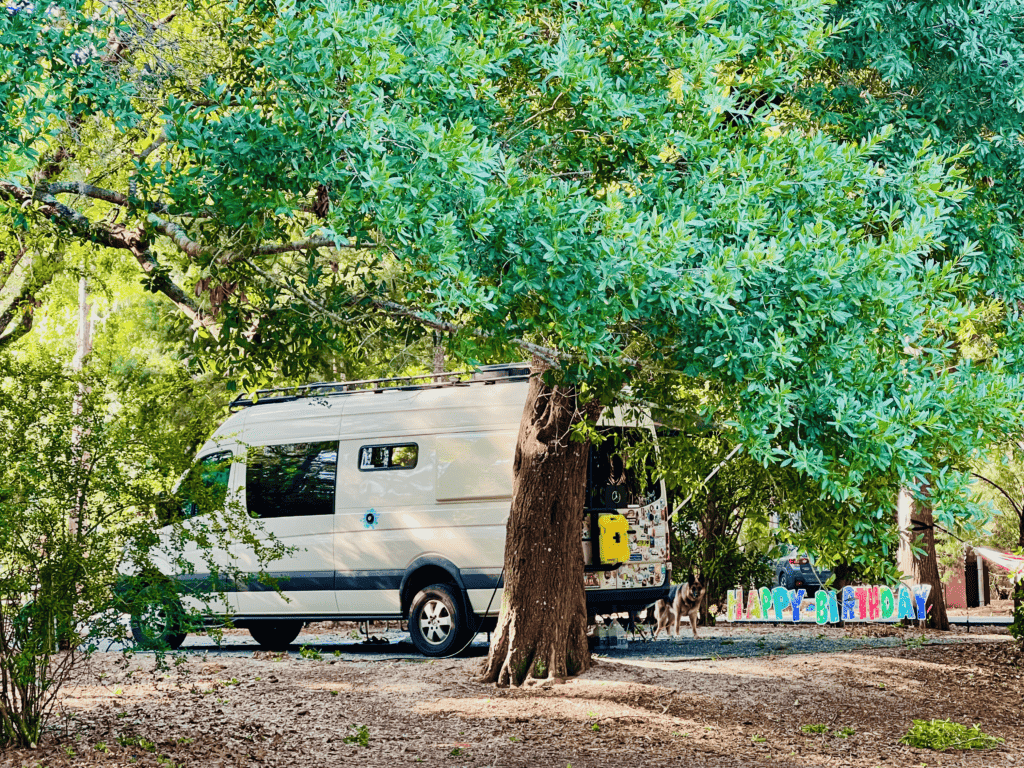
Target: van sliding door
290	489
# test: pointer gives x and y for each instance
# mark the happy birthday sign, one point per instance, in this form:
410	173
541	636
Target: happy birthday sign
876	603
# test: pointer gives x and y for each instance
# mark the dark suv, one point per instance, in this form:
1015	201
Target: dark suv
797	571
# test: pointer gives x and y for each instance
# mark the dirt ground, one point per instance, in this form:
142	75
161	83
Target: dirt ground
260	709
997	607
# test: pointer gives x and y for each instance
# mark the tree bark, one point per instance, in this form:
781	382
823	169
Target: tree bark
926	567
438	363
542	626
904	513
1018	587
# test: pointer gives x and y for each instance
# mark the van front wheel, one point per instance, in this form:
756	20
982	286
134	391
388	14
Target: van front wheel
157	621
437	621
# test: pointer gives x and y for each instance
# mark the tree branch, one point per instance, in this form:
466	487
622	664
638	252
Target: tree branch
158	142
23	327
98	193
190	247
394	309
160	280
119	237
116	237
56	211
309	244
1013	505
10	265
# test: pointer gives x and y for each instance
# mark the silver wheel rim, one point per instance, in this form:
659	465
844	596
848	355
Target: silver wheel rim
154	621
435	622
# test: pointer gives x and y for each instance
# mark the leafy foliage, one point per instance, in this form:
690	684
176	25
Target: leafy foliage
360	737
941	735
84	460
948	72
70	482
629	190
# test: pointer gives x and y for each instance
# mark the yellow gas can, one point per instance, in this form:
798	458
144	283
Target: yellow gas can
614	539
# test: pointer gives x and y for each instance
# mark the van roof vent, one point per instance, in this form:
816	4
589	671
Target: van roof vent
488	374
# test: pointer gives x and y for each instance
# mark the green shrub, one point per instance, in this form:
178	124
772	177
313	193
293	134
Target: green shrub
941	735
84	460
360	737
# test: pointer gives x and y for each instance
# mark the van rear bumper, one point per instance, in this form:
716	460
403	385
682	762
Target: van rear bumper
615	600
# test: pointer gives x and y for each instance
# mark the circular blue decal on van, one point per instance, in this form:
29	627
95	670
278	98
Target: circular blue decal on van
371	518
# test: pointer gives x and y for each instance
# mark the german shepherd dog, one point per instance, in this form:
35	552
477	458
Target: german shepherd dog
682	599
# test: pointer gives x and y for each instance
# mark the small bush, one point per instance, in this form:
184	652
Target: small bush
814	728
941	735
360	737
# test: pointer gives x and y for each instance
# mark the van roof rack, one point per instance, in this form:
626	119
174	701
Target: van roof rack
486	374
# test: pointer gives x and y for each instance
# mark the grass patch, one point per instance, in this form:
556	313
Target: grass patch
814	728
941	735
360	737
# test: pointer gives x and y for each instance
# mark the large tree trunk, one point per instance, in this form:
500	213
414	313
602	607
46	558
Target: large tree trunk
542	628
926	567
904	513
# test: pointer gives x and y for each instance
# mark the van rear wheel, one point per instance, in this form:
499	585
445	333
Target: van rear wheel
437	622
275	635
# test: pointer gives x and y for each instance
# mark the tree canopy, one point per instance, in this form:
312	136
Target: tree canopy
631	191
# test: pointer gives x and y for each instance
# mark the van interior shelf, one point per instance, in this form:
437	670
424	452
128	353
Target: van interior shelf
487	374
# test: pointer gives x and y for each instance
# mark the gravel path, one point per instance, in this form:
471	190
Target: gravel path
712	643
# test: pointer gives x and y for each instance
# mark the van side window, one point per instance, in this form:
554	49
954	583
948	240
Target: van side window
291	480
206	485
374	457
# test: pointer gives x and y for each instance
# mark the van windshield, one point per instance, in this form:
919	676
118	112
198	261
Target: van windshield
610	482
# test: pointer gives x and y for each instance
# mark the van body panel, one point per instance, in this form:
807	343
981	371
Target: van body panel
423	480
475	466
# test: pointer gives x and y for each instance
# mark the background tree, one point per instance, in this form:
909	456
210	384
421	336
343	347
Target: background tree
948	73
593	186
1001	484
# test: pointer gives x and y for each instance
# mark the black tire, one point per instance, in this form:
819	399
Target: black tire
782	581
157	620
437	621
276	635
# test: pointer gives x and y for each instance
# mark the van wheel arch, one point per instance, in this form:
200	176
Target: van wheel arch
425	571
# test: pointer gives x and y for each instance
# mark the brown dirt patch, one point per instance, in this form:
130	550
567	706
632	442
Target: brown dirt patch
297	713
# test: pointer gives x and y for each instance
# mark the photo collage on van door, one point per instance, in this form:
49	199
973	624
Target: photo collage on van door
648	548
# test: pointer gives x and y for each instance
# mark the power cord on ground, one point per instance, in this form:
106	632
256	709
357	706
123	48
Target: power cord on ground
497	585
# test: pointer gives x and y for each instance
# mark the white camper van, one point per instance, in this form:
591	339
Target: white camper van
393	496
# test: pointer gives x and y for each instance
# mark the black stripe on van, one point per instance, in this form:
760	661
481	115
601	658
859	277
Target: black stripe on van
326	581
299	581
290	581
481	579
355	580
